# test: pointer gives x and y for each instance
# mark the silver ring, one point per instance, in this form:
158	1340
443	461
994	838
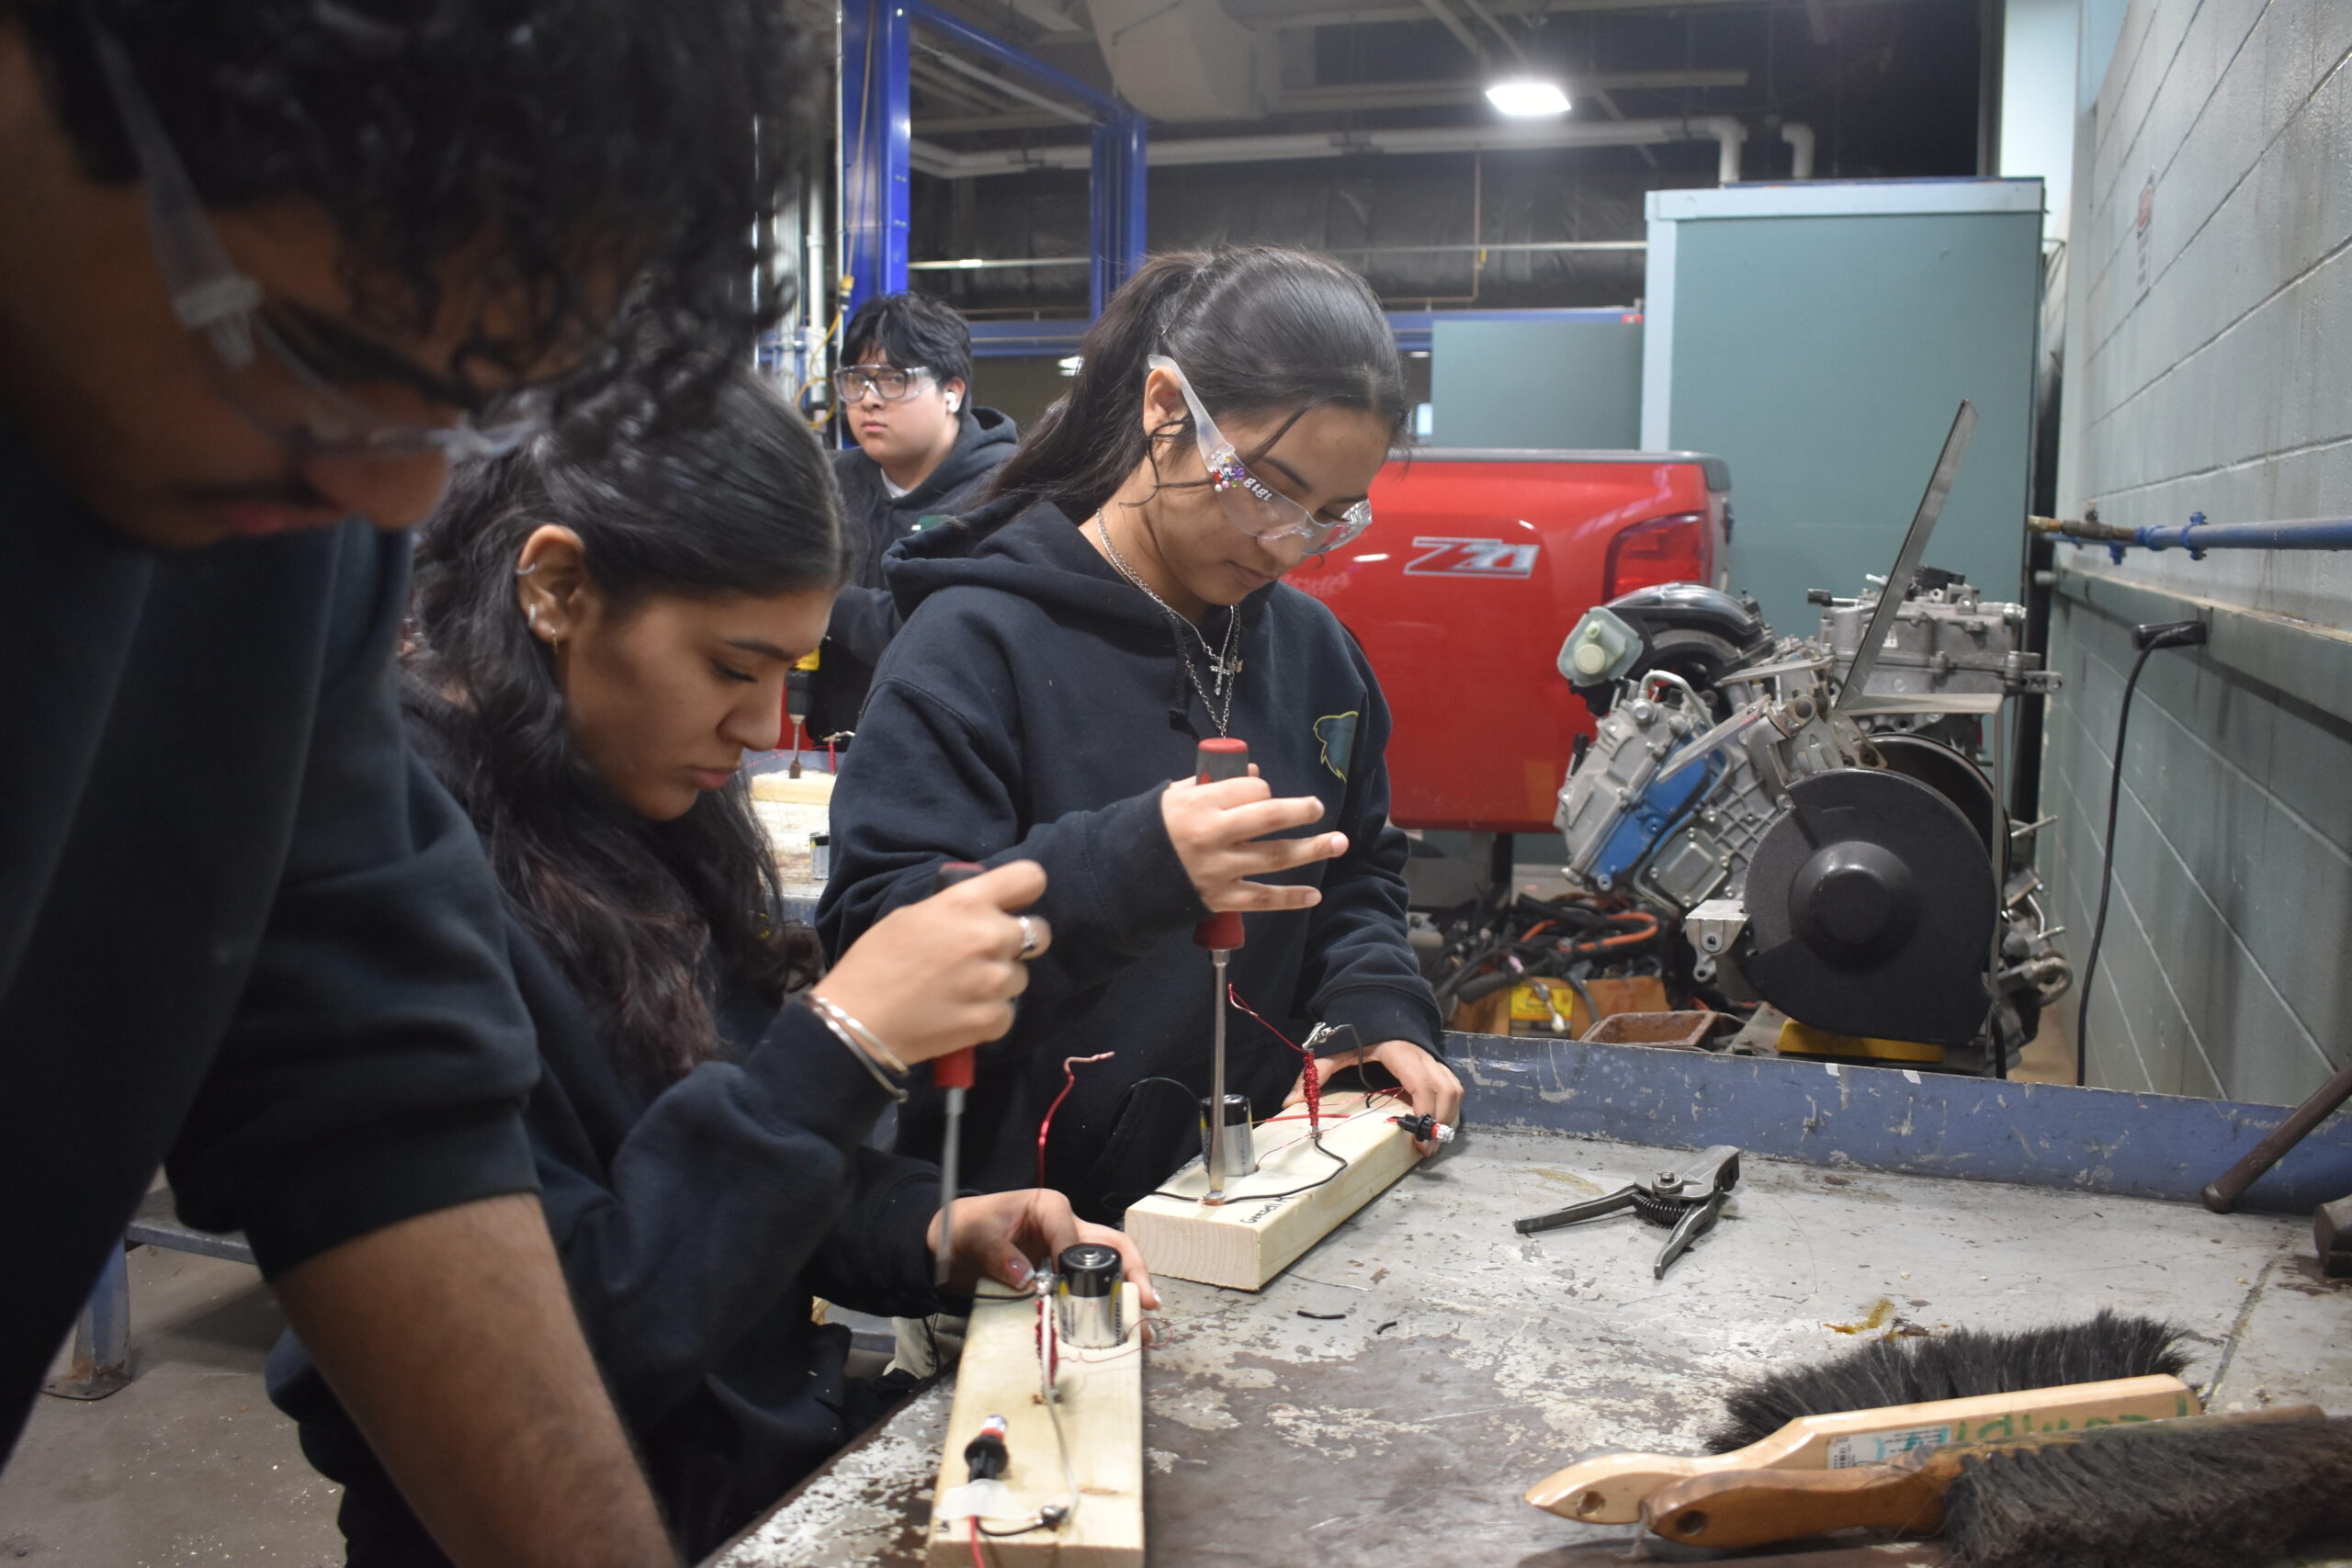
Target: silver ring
1028	937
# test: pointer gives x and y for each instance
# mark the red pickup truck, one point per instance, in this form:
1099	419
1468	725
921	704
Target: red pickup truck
1476	565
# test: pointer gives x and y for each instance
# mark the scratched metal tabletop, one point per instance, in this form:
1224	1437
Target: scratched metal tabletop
1387	1399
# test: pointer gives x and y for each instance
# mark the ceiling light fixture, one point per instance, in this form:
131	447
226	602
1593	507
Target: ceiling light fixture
1525	98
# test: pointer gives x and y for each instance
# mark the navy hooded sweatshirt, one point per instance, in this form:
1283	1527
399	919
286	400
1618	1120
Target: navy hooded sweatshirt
866	617
696	1221
1034	708
243	933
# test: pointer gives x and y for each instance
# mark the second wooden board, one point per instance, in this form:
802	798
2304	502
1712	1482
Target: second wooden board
1101	1418
1254	1235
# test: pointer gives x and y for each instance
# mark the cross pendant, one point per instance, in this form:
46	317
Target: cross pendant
1225	671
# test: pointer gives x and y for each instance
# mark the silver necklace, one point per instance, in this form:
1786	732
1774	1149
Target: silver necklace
1222	664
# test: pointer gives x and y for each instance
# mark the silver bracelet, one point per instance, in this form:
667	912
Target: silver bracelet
848	1031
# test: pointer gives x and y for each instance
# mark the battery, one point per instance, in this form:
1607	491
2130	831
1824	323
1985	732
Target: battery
1240	1159
1086	1296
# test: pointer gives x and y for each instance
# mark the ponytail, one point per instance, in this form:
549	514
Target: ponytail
1257	329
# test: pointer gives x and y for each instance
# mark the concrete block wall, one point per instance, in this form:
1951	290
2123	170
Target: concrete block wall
2208	348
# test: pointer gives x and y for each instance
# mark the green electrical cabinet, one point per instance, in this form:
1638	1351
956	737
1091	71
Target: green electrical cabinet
1818	335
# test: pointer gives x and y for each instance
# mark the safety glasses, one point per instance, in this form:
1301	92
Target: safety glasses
1256	507
271	383
887	382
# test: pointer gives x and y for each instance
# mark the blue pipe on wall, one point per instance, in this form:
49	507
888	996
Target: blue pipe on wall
2196	536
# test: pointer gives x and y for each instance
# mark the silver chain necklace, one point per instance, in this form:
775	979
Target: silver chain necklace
1222	664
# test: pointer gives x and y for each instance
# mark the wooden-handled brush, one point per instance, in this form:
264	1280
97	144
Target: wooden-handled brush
1614	1488
1903	1497
1962	1387
2217	1492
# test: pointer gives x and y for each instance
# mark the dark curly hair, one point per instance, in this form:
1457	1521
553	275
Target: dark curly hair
590	141
635	912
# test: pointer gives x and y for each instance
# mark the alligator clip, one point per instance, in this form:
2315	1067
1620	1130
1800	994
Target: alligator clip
1687	1201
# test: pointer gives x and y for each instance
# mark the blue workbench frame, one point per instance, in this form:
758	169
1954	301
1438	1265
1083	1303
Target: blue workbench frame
1921	1124
876	133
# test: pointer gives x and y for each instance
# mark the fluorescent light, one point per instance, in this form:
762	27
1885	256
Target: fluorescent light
1528	99
1069	365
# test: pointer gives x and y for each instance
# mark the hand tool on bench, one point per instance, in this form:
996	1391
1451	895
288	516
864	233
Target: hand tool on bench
1217	759
1888	1397
2071	1497
1687	1200
952	1073
800	695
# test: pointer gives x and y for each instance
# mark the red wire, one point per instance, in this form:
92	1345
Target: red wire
977	1561
1313	1083
1070	1081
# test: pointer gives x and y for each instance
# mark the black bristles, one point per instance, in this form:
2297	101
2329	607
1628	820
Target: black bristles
2162	1496
1958	1365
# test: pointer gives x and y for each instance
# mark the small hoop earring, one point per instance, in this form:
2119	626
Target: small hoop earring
527	570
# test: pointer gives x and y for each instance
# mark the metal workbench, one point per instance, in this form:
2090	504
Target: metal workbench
1465	1362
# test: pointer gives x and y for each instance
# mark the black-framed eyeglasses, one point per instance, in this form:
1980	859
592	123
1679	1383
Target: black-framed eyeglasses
278	388
887	382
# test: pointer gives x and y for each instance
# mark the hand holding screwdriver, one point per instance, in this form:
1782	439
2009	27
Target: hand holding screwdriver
1218	826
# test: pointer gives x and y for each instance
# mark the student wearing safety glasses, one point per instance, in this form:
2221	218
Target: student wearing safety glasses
925	452
265	269
1067	647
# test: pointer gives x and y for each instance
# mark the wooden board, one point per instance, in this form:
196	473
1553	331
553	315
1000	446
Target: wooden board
809	789
1246	1242
788	825
1101	1418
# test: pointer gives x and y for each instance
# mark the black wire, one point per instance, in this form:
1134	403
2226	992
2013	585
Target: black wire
2105	873
1315	1141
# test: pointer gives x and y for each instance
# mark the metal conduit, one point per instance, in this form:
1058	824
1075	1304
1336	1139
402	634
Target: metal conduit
2196	536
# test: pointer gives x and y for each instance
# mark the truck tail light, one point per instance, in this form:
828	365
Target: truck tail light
1664	549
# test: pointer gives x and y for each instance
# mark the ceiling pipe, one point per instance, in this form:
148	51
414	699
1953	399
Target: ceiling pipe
1723	130
1800	141
1444	13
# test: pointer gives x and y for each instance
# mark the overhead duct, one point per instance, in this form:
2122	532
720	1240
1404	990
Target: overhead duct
1186	60
1723	130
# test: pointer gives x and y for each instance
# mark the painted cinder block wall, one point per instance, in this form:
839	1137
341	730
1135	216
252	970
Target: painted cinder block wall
2208	331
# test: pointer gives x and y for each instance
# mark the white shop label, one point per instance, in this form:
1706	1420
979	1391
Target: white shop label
1878	1448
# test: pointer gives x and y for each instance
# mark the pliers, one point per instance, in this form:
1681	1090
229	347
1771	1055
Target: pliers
1689	1201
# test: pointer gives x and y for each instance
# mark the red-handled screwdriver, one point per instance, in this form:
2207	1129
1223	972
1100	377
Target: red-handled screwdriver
1217	761
952	1073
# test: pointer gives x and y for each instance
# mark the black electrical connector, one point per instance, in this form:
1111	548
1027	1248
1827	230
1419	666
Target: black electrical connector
2147	637
985	1456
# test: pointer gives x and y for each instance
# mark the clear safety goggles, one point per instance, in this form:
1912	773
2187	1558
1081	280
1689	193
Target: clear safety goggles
886	382
271	382
1257	508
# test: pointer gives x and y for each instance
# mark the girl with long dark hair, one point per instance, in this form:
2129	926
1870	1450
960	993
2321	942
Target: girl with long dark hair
1069	644
600	635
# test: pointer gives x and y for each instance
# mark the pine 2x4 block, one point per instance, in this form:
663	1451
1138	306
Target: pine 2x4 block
1100	1407
1246	1241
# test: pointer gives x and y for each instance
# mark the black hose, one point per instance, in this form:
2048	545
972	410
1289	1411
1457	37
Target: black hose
2105	873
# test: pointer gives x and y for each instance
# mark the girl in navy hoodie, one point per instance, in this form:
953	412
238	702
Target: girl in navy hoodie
603	632
1069	644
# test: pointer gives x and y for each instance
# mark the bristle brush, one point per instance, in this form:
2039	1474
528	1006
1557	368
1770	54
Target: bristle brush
2211	1492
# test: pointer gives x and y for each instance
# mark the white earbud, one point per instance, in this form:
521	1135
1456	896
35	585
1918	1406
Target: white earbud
953	405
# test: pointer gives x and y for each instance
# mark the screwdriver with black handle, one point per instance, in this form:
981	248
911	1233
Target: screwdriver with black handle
1217	761
952	1073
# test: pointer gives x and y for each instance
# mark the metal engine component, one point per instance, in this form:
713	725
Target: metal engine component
1887	906
1947	652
